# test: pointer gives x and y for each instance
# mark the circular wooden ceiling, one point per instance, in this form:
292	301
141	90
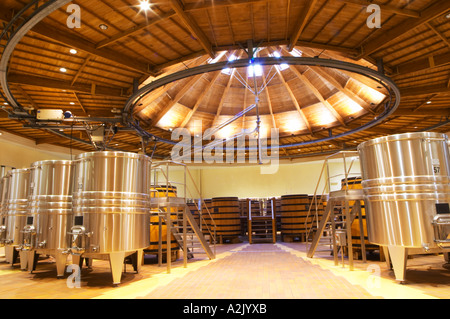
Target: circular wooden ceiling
119	48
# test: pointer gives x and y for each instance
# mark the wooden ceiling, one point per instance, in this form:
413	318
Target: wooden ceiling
138	47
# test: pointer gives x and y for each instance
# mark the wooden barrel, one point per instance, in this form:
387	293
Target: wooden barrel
161	191
294	221
226	215
355	183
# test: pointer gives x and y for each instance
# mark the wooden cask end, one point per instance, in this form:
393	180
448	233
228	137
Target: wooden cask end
226	215
294	212
161	191
355	183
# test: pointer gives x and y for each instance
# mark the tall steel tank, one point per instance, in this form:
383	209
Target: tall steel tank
50	212
406	183
16	213
111	206
5	180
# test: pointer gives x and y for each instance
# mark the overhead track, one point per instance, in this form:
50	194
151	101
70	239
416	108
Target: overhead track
391	103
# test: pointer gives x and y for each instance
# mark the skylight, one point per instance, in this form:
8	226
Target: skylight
282	66
228	70
255	70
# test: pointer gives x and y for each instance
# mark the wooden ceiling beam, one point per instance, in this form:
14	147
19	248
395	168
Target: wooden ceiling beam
354	97
81	69
147	24
193	27
422	64
301	24
27	97
295	101
186	87
269	102
199	100
441	35
422	112
436	9
74	41
383	7
424	90
317	94
79	102
27	79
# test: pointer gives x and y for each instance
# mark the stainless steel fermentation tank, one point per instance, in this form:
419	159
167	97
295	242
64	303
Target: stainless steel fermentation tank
406	183
49	212
111	205
5	181
15	213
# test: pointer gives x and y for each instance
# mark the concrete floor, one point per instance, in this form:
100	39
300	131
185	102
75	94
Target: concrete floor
240	271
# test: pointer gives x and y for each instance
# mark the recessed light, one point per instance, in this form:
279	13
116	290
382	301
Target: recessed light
103	26
73	51
64	70
144	5
448	16
5	103
72	103
429	102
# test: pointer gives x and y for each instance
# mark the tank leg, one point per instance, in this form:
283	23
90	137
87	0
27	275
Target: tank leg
139	260
11	254
116	260
32	260
136	259
398	255
61	260
23	260
386	256
76	260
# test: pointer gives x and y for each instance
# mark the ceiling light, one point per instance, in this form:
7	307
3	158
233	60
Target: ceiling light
103	26
144	5
72	103
255	70
64	70
73	51
448	16
429	102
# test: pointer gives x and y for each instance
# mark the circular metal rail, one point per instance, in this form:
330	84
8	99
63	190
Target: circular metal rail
16	34
390	106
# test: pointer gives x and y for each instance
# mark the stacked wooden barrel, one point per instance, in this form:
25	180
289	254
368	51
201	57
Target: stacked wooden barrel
162	191
295	221
225	212
355	183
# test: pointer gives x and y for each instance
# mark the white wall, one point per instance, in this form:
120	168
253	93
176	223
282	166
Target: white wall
246	181
19	152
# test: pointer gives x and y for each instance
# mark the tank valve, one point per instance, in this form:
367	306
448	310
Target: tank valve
426	246
29	232
79	235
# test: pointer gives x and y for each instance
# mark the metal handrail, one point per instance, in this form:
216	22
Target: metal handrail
212	233
328	184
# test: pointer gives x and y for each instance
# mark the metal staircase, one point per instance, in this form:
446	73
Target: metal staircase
333	228
184	228
262	222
